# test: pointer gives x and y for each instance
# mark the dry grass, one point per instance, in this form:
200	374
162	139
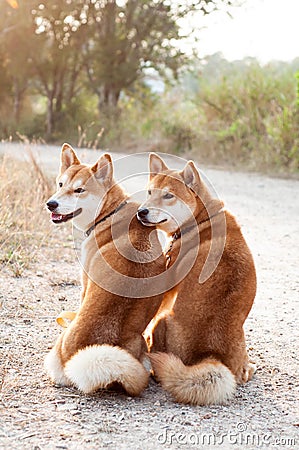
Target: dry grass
23	191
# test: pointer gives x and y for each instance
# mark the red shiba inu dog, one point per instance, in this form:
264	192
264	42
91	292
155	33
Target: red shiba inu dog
104	345
198	345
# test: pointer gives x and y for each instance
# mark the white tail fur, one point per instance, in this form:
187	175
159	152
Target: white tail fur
208	382
98	366
54	368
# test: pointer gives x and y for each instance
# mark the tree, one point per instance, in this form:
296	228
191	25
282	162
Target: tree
16	31
59	61
126	37
42	45
49	45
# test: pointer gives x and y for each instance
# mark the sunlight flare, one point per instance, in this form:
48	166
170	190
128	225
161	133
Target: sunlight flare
13	3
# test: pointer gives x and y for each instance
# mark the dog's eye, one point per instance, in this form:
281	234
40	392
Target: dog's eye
149	192
79	190
168	195
60	184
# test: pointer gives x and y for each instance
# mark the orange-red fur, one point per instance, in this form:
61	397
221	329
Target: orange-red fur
205	324
105	339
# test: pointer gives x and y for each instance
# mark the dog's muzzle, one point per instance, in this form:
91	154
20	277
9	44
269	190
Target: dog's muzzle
52	205
59	218
142	213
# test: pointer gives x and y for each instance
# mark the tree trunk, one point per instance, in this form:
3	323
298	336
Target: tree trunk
107	100
50	117
59	93
17	106
18	93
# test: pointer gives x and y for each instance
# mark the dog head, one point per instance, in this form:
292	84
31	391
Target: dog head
81	189
174	197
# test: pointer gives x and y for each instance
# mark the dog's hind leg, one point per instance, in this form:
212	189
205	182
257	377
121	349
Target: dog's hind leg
159	337
135	345
138	348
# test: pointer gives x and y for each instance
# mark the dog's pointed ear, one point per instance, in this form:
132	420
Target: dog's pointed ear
68	157
103	169
156	165
191	176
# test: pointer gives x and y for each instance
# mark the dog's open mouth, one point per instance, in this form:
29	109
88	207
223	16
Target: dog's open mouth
148	223
59	218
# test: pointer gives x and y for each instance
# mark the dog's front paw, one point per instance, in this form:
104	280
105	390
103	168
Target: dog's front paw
248	371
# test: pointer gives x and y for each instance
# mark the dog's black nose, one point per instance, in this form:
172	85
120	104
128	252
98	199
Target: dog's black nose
142	213
52	204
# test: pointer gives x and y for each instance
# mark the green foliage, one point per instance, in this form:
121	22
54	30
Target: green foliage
242	115
75	70
58	49
179	123
251	115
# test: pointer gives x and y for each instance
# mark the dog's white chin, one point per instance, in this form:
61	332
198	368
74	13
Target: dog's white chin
81	225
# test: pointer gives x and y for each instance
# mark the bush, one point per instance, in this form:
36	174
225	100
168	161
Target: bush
236	114
251	117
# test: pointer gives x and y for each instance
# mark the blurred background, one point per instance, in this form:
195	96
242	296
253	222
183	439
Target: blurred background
215	80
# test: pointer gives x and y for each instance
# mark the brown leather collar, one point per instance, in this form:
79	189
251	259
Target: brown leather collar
178	234
87	232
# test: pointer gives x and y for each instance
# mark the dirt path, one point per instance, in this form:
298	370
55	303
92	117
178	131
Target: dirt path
36	415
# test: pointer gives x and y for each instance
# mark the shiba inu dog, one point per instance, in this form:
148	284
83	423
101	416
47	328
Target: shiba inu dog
198	345
104	345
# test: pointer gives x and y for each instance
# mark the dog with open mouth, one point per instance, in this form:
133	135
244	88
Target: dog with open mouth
103	345
198	344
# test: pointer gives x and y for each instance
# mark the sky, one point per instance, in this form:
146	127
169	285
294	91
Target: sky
265	29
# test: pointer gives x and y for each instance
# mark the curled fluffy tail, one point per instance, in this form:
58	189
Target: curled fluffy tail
208	382
98	366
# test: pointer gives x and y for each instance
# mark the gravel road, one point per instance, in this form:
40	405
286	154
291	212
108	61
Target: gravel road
264	414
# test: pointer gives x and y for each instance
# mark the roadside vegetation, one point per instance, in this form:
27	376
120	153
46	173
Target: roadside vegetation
23	191
88	73
238	114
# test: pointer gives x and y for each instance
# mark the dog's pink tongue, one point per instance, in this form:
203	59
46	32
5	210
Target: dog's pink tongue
56	216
